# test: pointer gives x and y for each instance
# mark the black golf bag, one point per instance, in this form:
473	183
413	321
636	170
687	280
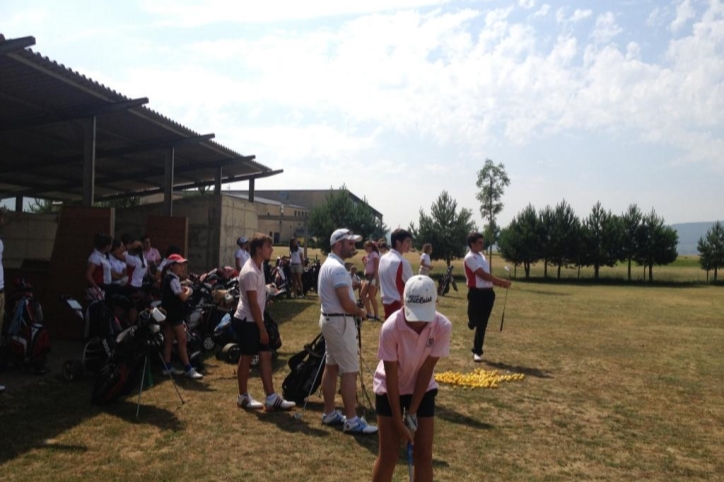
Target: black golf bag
126	354
445	281
305	376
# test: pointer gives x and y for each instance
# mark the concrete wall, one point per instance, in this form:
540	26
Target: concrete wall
28	236
238	218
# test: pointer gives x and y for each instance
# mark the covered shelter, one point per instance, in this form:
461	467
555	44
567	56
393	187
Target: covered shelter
65	137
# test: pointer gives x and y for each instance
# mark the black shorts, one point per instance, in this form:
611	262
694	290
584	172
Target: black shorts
426	408
247	333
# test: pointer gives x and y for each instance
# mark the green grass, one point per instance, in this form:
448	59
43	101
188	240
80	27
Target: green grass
623	382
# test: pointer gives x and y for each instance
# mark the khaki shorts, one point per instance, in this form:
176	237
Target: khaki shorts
340	336
296	268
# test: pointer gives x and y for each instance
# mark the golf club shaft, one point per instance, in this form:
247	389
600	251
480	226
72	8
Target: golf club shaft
505	302
409	461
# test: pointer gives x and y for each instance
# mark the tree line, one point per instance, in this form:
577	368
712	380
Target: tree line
711	250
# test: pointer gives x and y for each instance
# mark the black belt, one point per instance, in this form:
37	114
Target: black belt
337	314
480	289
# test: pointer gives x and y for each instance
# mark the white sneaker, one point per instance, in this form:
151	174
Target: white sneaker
477	358
171	371
334	418
2	388
245	401
361	427
275	402
193	374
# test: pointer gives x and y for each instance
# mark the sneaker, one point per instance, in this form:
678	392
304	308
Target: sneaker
275	402
361	427
334	418
245	401
171	371
2	388
193	374
477	358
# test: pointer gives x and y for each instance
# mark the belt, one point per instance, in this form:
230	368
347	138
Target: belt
337	314
480	289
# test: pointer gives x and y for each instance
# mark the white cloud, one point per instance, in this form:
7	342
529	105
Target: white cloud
684	13
606	28
542	11
526	4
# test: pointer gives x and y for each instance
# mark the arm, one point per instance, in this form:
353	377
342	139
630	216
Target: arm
89	274
493	279
393	397
258	317
423	381
376	262
238	264
348	304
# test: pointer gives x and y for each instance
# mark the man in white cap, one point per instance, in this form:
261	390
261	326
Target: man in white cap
242	254
337	322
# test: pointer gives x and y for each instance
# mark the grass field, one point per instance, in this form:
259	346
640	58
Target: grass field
623	382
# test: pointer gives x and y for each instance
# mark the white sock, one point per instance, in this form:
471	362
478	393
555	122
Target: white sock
353	421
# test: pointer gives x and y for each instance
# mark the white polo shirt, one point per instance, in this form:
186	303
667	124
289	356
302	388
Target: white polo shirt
473	261
243	256
136	270
250	279
400	343
102	265
394	271
333	275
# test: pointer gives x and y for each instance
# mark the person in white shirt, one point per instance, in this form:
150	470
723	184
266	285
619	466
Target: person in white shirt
296	267
251	331
337	322
394	271
481	296
98	271
242	255
425	262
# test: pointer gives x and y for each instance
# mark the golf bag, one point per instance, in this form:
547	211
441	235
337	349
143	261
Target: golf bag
444	284
304	366
27	343
126	354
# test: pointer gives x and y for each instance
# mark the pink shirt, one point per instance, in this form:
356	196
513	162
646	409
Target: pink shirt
402	344
370	264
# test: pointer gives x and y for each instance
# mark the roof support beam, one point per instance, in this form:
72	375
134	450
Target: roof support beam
168	184
251	190
13	45
89	160
219	176
71	114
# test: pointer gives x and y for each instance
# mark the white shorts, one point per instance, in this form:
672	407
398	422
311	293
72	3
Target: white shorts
296	268
340	336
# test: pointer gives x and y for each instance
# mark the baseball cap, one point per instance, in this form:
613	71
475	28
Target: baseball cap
342	234
420	296
176	258
242	240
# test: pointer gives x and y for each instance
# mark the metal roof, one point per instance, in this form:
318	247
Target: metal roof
43	108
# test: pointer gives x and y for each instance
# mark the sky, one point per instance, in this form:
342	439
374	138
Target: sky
620	101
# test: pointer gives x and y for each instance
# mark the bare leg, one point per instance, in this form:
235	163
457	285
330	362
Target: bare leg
389	445
242	373
329	386
168	334
422	454
349	394
265	371
180	333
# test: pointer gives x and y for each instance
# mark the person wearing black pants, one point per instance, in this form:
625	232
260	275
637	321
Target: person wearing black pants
481	296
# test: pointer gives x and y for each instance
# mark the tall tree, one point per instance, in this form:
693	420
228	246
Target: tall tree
601	236
545	234
630	224
565	234
341	211
711	249
445	228
519	242
656	242
492	181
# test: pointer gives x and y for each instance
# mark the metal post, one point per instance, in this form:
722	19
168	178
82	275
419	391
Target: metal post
168	183
217	183
19	204
89	160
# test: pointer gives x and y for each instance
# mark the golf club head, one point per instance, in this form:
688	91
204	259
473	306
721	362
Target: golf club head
298	415
507	268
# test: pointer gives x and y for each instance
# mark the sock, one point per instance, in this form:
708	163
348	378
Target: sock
353	421
188	367
271	397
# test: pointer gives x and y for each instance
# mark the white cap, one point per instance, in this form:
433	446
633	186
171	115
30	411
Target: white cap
342	234
420	296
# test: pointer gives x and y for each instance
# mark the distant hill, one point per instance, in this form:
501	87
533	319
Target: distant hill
689	234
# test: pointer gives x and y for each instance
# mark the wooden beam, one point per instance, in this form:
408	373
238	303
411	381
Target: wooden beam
13	45
168	184
70	114
89	160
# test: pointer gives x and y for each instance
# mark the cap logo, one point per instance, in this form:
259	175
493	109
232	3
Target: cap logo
419	299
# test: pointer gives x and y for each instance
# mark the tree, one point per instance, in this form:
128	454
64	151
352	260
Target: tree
656	243
492	181
601	239
519	242
341	211
630	224
445	228
545	233
43	206
711	249
564	236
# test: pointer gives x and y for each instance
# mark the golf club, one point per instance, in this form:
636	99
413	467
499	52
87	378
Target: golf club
409	460
502	319
300	415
